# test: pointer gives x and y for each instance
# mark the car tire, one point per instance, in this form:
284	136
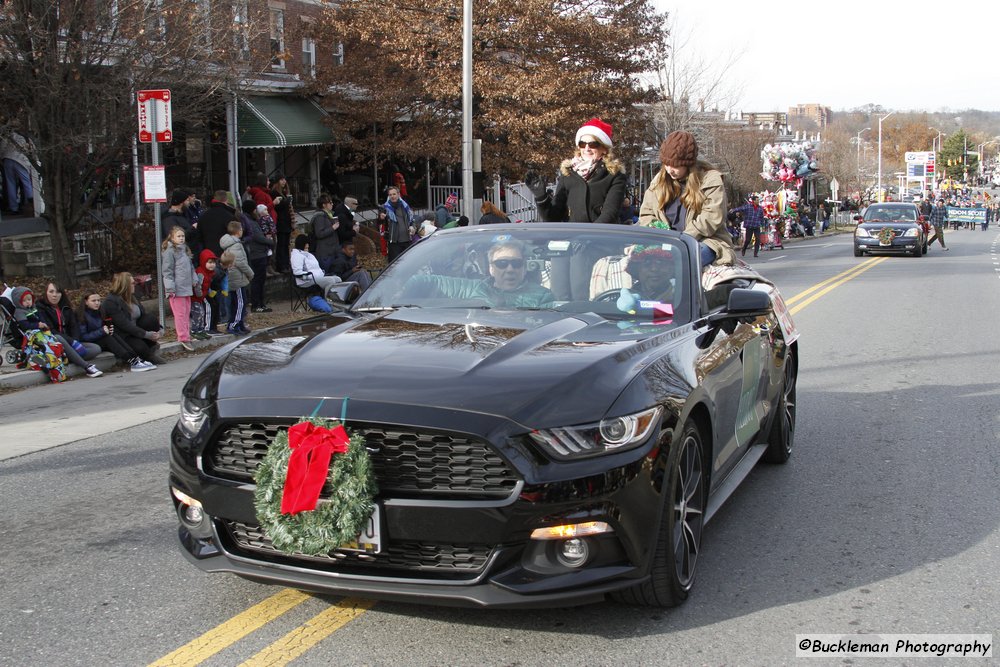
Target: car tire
858	252
678	542
924	248
782	436
917	251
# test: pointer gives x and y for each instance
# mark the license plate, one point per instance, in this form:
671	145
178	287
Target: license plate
369	541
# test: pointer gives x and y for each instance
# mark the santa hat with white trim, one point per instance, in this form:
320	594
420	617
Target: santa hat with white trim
596	128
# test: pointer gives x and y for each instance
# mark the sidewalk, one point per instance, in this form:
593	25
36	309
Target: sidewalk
12	378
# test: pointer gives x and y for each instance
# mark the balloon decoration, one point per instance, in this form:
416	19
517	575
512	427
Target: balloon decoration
788	162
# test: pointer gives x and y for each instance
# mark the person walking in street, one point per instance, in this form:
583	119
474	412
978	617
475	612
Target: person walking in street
753	221
938	220
688	194
590	188
399	219
180	283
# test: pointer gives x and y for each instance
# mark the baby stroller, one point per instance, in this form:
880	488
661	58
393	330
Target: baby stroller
11	335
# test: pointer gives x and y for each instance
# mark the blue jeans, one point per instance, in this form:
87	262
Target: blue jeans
15	174
707	254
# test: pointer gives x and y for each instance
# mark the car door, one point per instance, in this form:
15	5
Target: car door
733	371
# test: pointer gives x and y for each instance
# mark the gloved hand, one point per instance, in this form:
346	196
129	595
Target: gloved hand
536	185
212	293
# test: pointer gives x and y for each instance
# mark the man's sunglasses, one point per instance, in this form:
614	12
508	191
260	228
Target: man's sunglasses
504	263
592	144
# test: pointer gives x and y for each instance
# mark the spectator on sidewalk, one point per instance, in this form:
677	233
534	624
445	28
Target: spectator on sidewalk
257	246
213	222
27	317
94	329
180	284
141	330
305	264
55	310
491	214
346	266
399	223
239	279
260	192
324	239
344	211
201	309
281	195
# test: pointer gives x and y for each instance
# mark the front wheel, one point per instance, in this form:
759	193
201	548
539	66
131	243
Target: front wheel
678	541
782	435
858	252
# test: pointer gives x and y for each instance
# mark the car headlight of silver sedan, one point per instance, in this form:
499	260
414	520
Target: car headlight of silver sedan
609	435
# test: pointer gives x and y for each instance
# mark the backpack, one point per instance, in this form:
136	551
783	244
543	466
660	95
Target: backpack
45	353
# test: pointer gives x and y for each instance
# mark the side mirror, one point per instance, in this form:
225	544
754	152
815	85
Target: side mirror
344	294
743	303
857	218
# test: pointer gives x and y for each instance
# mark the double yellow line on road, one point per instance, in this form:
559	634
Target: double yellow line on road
281	652
805	297
320	626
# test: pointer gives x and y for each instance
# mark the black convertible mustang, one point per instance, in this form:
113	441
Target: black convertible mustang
552	412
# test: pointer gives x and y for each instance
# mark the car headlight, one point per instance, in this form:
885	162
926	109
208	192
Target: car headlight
611	434
912	232
194	413
861	232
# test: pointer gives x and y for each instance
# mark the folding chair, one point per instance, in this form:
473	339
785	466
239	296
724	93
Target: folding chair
299	295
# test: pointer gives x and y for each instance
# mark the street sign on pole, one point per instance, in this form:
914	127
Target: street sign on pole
155	104
154	184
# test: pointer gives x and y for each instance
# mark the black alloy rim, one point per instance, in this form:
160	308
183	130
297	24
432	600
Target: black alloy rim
689	510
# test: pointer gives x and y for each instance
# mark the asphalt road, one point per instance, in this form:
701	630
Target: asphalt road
884	521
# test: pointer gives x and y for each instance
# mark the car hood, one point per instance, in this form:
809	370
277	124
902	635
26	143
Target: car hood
521	365
874	224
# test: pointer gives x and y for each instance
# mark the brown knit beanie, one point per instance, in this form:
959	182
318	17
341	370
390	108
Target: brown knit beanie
679	149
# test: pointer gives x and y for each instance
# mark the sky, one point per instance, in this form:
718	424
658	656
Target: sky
847	54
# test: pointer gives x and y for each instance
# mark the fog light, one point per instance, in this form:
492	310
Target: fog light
573	553
193	515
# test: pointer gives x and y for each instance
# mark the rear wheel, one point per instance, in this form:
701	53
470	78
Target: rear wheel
782	435
678	541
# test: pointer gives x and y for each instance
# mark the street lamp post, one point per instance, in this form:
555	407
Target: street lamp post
859	155
880	153
938	144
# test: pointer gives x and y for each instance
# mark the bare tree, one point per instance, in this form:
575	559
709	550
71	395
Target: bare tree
71	68
541	68
689	83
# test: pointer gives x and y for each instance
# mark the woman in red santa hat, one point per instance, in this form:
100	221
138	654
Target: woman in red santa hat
590	188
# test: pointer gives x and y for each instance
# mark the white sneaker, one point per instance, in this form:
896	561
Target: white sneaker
187	346
141	365
93	371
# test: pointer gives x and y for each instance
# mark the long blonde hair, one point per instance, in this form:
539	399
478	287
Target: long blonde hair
169	241
123	286
667	189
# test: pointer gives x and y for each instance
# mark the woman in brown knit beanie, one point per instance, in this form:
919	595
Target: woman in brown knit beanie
688	194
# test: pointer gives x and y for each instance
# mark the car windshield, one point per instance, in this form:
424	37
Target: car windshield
618	272
890	214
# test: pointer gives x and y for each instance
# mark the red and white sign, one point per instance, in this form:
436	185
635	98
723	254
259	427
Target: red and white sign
164	130
154	184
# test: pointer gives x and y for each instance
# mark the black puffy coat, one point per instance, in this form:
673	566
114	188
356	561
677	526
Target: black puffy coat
597	199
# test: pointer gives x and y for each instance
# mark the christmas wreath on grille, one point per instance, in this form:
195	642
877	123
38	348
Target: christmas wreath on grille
302	460
886	235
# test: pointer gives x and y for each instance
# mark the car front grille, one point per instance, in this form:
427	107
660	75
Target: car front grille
407	463
465	560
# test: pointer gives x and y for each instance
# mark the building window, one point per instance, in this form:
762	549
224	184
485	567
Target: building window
277	39
338	54
241	23
309	56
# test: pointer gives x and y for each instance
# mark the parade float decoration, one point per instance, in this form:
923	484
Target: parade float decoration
311	458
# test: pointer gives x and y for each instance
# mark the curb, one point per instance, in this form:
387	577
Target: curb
104	361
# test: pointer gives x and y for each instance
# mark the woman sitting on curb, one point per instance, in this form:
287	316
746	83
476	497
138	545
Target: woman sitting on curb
95	330
140	330
55	310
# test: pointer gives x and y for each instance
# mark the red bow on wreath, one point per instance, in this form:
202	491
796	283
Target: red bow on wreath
309	464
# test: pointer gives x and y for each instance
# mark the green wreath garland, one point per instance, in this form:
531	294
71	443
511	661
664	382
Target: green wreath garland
337	520
886	235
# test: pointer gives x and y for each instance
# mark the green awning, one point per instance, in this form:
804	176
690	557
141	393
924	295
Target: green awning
276	122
